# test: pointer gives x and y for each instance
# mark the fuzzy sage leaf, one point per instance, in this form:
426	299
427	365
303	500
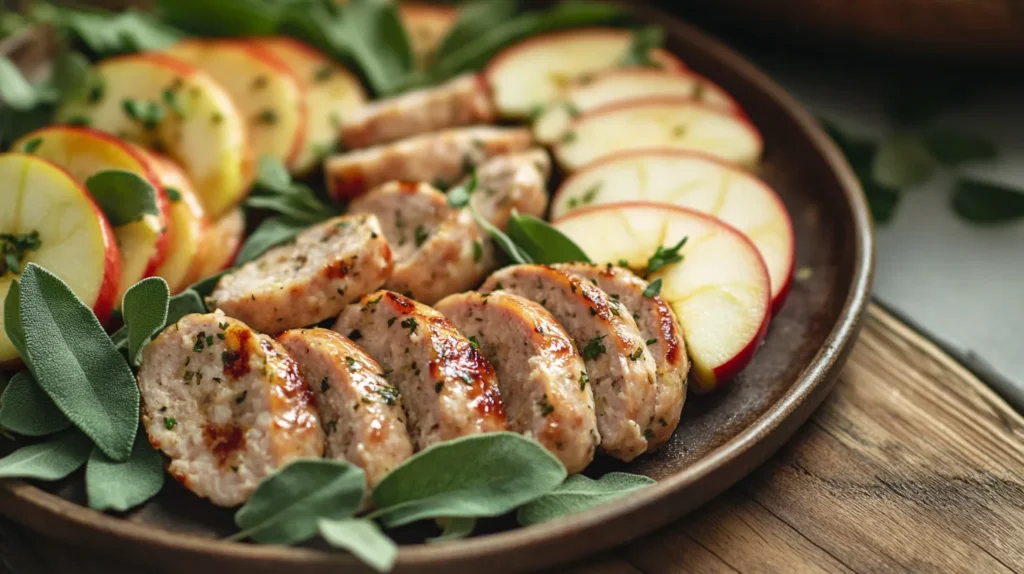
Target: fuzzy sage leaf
54	459
119	486
123	196
455	529
27	410
145	313
986	202
270	233
74	361
363	539
579	493
474	476
903	160
542	242
286	506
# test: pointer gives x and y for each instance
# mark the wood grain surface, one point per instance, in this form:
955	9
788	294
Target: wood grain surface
912	464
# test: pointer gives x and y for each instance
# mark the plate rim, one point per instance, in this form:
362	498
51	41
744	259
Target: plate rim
778	422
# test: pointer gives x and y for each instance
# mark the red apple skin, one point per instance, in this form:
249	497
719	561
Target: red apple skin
729	369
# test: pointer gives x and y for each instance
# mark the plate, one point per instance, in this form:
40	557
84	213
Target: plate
723	436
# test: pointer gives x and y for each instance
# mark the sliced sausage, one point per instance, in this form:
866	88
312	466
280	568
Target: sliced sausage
513	181
309	279
440	158
662	335
462	101
448	388
540	373
617	361
227	405
360	412
438	250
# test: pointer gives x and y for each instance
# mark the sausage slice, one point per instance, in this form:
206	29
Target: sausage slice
462	101
360	412
540	373
617	361
448	388
227	405
309	279
661	333
513	181
439	157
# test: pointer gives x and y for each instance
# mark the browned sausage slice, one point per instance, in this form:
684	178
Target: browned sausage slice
310	279
661	333
540	373
448	388
513	181
227	405
617	361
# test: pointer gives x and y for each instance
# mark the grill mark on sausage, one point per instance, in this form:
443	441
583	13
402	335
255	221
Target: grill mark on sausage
237	353
223	441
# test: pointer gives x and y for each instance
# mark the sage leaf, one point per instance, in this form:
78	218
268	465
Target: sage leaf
642	42
15	91
882	200
235	18
454	529
286	505
475	19
107	33
275	191
205	286
473	476
272	175
953	147
72	76
145	313
578	493
514	251
54	459
903	160
12	321
542	242
271	232
119	486
859	151
76	364
987	202
27	410
184	303
123	196
363	539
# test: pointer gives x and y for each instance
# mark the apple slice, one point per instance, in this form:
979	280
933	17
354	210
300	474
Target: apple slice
220	244
625	84
676	123
720	290
186	224
697	182
163	103
426	25
269	96
538	71
332	93
83	152
48	218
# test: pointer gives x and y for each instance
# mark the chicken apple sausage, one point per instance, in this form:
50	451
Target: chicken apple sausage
227	405
513	181
448	388
541	375
440	157
360	412
617	362
309	279
462	101
661	333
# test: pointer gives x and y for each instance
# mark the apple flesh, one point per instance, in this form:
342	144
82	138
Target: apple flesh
186	224
674	123
626	84
177	109
720	290
697	182
332	93
75	241
539	70
427	25
220	245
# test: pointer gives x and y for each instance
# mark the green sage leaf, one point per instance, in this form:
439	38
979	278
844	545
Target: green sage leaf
514	251
475	19
578	493
27	410
123	196
76	364
119	486
205	286
455	529
184	303
286	505
271	232
235	18
15	91
903	160
54	459
643	41
859	151
107	33
363	539
542	242
987	202
474	476
882	200
952	147
145	313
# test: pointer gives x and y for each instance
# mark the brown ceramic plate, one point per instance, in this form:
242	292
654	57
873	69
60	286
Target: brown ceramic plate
722	437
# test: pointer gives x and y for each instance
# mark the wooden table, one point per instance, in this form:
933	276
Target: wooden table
912	464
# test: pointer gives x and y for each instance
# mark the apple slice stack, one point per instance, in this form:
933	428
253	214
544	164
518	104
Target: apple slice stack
657	154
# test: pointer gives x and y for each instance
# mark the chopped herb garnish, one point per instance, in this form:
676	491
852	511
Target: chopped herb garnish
391	321
200	342
170	98
267	117
663	256
590	194
374	301
624	263
324	385
648	434
420	235
410	324
678	131
478	251
572	109
170	423
323	73
147	113
79	121
545	407
32	145
536	112
332	426
474	343
172	194
593	349
584	379
355	335
651	342
241	397
438	387
14	249
389	395
458	196
259	82
635	355
568	138
351	362
653	289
